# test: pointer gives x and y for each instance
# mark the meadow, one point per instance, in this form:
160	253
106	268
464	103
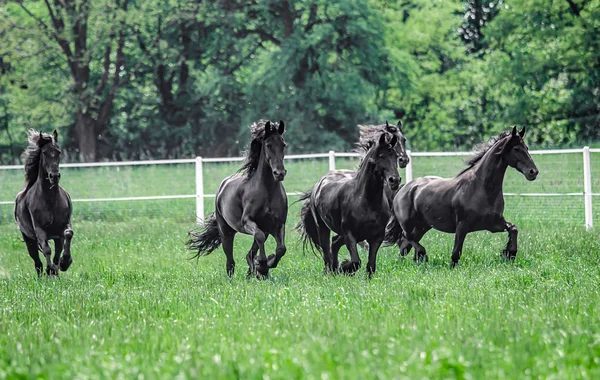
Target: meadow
133	305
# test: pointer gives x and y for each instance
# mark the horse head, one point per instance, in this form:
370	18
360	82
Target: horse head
385	159
400	147
516	153
273	147
50	158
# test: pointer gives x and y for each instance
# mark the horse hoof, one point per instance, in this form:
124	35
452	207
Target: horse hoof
349	267
64	264
52	270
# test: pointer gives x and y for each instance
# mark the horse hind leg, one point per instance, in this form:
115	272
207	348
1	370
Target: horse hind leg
412	238
337	242
32	248
65	260
350	267
250	259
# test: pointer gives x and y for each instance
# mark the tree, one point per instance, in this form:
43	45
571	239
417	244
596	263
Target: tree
96	68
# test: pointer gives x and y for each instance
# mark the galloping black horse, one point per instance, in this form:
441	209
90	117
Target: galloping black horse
354	207
252	201
43	208
370	133
472	201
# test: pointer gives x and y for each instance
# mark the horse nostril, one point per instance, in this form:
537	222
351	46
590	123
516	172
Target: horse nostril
533	171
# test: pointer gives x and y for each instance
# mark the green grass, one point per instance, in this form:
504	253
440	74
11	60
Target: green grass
132	305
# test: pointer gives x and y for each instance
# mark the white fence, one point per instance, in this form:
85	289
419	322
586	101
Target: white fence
585	192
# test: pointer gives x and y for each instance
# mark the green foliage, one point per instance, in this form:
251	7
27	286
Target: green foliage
193	75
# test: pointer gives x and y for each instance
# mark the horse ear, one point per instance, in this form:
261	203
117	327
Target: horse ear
267	128
399	125
394	141
281	129
514	131
522	133
55	133
40	140
382	139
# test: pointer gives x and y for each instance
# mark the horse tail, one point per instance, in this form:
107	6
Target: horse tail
308	226
393	231
205	239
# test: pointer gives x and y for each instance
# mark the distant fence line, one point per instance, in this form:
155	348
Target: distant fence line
331	155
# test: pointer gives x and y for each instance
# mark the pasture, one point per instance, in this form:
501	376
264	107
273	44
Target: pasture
132	305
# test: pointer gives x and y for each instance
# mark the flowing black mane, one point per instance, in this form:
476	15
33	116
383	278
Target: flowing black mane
372	132
36	141
367	146
482	149
257	135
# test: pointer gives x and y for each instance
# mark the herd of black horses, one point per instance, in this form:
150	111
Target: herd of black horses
366	205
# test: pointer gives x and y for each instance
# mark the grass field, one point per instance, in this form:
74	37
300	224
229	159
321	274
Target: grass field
132	305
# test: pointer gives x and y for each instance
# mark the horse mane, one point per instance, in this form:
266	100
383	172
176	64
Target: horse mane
372	132
36	141
257	136
482	149
365	146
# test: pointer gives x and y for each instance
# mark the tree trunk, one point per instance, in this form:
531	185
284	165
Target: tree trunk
85	128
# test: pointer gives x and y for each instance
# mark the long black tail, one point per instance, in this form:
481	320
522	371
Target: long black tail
307	226
393	231
205	239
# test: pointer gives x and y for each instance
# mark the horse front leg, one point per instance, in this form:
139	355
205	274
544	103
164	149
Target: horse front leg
501	225
58	248
374	245
510	252
459	238
66	260
280	250
42	240
261	261
32	248
350	267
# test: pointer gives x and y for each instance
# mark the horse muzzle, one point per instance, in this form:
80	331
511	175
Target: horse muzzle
403	161
279	175
393	182
531	174
54	178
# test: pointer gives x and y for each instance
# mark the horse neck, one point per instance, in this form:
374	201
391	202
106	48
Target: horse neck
368	183
491	170
264	173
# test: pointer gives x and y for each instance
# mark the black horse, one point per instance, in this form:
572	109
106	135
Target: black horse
43	208
354	207
370	133
252	201
472	201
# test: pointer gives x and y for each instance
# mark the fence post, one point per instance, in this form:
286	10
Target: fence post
199	191
587	188
331	160
408	168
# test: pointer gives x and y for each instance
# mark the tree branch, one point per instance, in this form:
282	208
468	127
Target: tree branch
261	33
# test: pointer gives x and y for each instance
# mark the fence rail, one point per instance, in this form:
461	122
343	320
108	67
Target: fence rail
586	192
